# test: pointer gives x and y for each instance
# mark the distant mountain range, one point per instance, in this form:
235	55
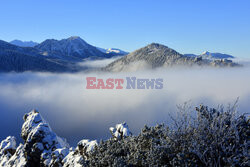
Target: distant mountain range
51	55
157	55
70	49
64	56
208	55
24	43
20	59
114	51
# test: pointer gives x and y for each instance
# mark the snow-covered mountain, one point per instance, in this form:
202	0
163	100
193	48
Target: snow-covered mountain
51	55
73	48
212	56
64	55
114	51
157	55
20	59
24	43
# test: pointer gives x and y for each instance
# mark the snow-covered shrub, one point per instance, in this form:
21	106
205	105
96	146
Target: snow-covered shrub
120	131
80	155
57	156
213	138
73	159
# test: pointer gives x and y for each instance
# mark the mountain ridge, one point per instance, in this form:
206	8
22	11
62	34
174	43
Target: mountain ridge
65	55
23	43
73	48
50	56
19	59
210	55
157	55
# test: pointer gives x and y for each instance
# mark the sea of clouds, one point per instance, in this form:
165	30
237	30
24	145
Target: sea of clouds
76	113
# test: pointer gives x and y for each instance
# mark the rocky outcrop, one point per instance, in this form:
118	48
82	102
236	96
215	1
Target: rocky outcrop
42	147
40	140
7	149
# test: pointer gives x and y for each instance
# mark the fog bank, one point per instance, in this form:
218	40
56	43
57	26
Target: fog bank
75	112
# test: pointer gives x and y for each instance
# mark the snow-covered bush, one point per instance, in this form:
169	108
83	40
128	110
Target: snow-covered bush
120	131
213	138
80	155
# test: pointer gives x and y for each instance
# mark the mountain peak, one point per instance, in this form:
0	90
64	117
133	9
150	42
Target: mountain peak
73	48
151	56
155	45
74	38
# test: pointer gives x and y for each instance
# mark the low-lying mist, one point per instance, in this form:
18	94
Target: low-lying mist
75	112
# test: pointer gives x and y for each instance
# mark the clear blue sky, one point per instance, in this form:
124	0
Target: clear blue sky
188	26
